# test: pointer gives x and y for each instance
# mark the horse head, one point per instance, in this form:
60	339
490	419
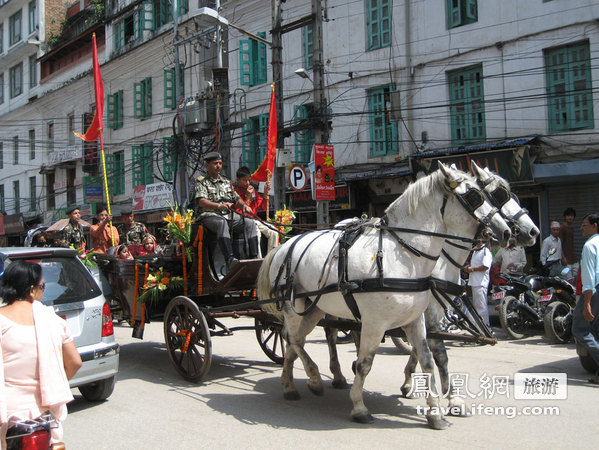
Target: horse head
497	190
468	195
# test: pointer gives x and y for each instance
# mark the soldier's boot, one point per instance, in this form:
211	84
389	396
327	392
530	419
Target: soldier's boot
227	249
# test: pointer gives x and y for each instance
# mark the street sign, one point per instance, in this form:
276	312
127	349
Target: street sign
297	177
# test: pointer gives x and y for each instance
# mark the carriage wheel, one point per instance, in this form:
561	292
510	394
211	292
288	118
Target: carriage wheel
270	338
187	338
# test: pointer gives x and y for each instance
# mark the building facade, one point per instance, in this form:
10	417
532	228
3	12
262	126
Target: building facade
507	84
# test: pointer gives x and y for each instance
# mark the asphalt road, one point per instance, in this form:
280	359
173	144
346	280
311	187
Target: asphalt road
240	404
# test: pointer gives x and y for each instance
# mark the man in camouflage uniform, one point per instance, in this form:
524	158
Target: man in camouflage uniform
73	232
131	232
216	198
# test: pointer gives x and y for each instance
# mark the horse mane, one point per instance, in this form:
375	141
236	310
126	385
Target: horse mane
418	193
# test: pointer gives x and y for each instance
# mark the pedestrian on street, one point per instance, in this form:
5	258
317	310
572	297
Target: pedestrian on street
566	235
38	352
585	319
551	251
478	280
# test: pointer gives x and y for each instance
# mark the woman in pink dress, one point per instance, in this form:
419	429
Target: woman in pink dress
38	353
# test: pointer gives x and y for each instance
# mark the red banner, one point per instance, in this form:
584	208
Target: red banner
95	129
265	171
324	172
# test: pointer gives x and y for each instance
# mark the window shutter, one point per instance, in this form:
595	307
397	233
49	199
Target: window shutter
248	143
110	100
147	102
377	121
454	17
260	73
263	122
147	164
245	62
168	159
119	109
169	88
471	10
136	154
118	35
137	100
308	39
385	18
146	16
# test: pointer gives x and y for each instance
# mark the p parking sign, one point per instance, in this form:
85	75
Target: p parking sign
297	177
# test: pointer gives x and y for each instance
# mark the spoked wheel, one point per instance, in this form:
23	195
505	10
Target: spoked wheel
511	318
558	322
187	338
270	338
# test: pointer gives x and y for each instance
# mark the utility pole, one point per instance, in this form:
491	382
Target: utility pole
179	150
320	132
277	77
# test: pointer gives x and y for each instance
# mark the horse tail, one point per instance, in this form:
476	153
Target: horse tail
263	287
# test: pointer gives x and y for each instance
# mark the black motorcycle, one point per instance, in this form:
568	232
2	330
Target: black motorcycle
533	301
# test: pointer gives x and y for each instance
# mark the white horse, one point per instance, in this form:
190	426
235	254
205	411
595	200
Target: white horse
404	256
452	259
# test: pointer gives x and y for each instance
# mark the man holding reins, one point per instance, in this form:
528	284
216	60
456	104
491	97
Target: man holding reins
216	199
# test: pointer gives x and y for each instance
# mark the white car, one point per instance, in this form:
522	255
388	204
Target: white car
75	296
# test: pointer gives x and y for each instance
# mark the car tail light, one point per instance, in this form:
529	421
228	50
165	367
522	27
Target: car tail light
107	329
39	440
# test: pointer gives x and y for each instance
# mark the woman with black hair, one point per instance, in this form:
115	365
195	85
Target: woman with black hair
38	353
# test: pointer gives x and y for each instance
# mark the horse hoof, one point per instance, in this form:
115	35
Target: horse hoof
437	422
293	395
406	392
365	418
353	367
340	384
317	390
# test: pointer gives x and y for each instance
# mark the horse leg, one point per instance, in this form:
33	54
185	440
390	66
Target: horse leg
410	368
298	327
369	342
339	381
439	351
416	334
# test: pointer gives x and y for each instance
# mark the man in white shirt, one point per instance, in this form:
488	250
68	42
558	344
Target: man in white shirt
511	260
478	280
551	251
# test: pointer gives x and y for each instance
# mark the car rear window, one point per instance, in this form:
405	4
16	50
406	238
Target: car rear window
67	280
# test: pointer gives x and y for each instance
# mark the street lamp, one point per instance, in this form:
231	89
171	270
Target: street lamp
303	74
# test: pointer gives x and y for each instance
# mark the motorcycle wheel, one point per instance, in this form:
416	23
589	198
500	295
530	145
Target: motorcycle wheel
511	319
557	322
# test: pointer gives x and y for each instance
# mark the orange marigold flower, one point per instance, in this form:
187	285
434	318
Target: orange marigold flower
165	281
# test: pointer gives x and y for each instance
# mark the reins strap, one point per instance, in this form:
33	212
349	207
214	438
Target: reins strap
450	259
410	248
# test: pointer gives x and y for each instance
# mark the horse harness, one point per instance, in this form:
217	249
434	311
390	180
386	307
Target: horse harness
348	236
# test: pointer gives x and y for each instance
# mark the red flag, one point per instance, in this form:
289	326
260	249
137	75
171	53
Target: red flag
266	168
95	129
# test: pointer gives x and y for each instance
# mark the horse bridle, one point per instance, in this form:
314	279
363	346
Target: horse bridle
499	197
471	200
